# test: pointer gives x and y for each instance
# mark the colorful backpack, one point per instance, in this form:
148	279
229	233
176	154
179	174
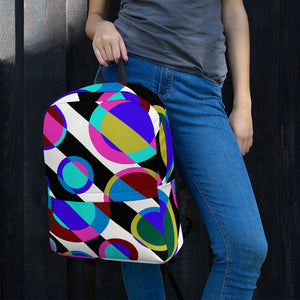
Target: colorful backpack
110	172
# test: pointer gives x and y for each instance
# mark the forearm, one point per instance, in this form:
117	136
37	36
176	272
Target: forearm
98	12
108	44
238	53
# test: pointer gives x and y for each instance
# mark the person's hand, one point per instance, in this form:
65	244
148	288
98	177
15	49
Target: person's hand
108	44
240	121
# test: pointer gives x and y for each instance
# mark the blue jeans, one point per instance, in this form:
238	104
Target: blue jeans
210	162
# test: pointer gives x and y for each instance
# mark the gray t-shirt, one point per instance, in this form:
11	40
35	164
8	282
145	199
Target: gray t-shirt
186	35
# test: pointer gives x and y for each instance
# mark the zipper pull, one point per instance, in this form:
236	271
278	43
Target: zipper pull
51	216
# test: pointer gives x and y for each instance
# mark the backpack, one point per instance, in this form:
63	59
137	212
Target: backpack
109	168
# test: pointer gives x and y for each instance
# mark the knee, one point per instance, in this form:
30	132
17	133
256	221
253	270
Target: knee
263	249
252	250
260	249
244	250
242	247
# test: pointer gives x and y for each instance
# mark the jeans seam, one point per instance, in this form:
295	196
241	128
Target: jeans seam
219	225
170	85
160	79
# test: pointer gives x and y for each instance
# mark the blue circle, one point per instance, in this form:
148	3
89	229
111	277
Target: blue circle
61	173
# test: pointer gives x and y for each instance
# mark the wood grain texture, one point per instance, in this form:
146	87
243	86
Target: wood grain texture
12	137
289	92
262	160
82	64
44	80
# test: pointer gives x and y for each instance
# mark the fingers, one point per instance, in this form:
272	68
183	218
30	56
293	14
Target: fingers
245	144
115	50
111	51
240	121
250	142
123	50
100	55
108	44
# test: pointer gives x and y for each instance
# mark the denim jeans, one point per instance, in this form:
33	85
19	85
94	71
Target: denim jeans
207	156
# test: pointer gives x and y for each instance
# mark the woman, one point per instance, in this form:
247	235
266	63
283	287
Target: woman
177	50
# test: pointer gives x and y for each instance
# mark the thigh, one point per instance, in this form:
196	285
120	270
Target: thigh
206	151
209	159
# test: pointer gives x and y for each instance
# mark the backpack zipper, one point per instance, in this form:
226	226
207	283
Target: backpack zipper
51	216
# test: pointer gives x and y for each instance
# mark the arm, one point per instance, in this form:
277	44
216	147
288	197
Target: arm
108	44
236	30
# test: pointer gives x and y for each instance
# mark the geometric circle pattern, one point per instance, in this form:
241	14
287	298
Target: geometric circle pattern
147	228
109	165
132	184
122	132
75	174
55	128
118	249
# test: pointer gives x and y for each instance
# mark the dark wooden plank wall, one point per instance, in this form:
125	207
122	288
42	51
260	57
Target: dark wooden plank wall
43	54
12	149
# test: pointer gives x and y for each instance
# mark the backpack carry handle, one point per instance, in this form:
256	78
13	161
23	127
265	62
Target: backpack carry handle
122	74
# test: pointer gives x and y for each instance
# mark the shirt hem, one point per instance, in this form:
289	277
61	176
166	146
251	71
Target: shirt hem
181	69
